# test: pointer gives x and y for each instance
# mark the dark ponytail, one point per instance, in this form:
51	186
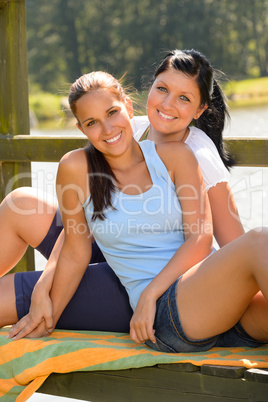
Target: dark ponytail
101	177
212	120
101	182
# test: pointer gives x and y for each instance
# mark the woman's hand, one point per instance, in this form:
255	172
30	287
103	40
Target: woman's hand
142	321
38	322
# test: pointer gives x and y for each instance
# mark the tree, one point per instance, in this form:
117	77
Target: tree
69	37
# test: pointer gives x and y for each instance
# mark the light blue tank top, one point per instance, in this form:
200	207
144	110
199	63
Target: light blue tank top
141	235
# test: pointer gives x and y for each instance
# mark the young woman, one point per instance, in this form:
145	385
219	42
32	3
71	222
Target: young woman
183	298
187	91
186	104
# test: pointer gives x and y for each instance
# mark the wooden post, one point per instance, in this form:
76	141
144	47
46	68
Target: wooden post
14	107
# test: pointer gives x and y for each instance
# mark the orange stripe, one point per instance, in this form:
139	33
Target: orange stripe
7	385
76	335
77	360
84	358
31	388
230	350
121	344
15	349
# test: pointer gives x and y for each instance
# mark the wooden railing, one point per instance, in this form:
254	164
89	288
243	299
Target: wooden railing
14	109
23	148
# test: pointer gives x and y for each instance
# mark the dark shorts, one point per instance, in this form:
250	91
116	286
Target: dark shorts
171	337
46	246
100	303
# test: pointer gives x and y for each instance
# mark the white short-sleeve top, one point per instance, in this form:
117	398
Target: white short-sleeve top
203	147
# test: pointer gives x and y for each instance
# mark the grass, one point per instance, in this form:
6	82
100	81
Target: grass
250	92
46	107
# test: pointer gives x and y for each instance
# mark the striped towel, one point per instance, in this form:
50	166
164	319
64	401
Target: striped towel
25	364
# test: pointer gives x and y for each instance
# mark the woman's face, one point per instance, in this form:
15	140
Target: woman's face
173	102
105	121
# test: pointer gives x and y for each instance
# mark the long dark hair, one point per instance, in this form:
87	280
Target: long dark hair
212	120
101	177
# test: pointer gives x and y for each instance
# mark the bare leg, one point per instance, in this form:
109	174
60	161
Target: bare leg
218	292
255	318
8	311
25	217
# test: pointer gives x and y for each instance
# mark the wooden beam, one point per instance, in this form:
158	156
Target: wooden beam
23	148
248	151
14	108
38	148
154	384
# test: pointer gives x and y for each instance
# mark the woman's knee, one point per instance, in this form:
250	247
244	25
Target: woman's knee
255	249
29	201
27	213
257	239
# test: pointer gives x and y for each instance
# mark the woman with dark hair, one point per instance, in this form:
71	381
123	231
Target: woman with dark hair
169	94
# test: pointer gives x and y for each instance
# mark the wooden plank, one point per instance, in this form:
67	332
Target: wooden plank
152	384
188	367
38	148
223	371
14	109
257	375
247	151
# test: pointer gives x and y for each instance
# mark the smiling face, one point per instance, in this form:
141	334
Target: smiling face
105	120
173	102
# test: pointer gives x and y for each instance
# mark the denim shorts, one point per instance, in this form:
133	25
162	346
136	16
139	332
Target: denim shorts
171	338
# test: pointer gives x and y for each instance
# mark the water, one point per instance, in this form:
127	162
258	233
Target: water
248	122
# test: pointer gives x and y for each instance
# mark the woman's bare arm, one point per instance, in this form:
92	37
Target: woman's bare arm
226	222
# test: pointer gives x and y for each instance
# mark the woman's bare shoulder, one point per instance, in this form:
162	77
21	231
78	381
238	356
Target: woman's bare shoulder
74	161
175	152
73	165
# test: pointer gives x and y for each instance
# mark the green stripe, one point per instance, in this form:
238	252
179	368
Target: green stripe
12	394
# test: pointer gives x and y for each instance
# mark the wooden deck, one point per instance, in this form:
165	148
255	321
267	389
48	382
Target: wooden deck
163	383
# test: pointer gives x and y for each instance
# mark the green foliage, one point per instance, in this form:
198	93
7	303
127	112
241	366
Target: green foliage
45	106
247	92
69	37
257	87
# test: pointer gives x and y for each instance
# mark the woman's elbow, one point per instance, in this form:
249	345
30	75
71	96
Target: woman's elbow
205	240
209	242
